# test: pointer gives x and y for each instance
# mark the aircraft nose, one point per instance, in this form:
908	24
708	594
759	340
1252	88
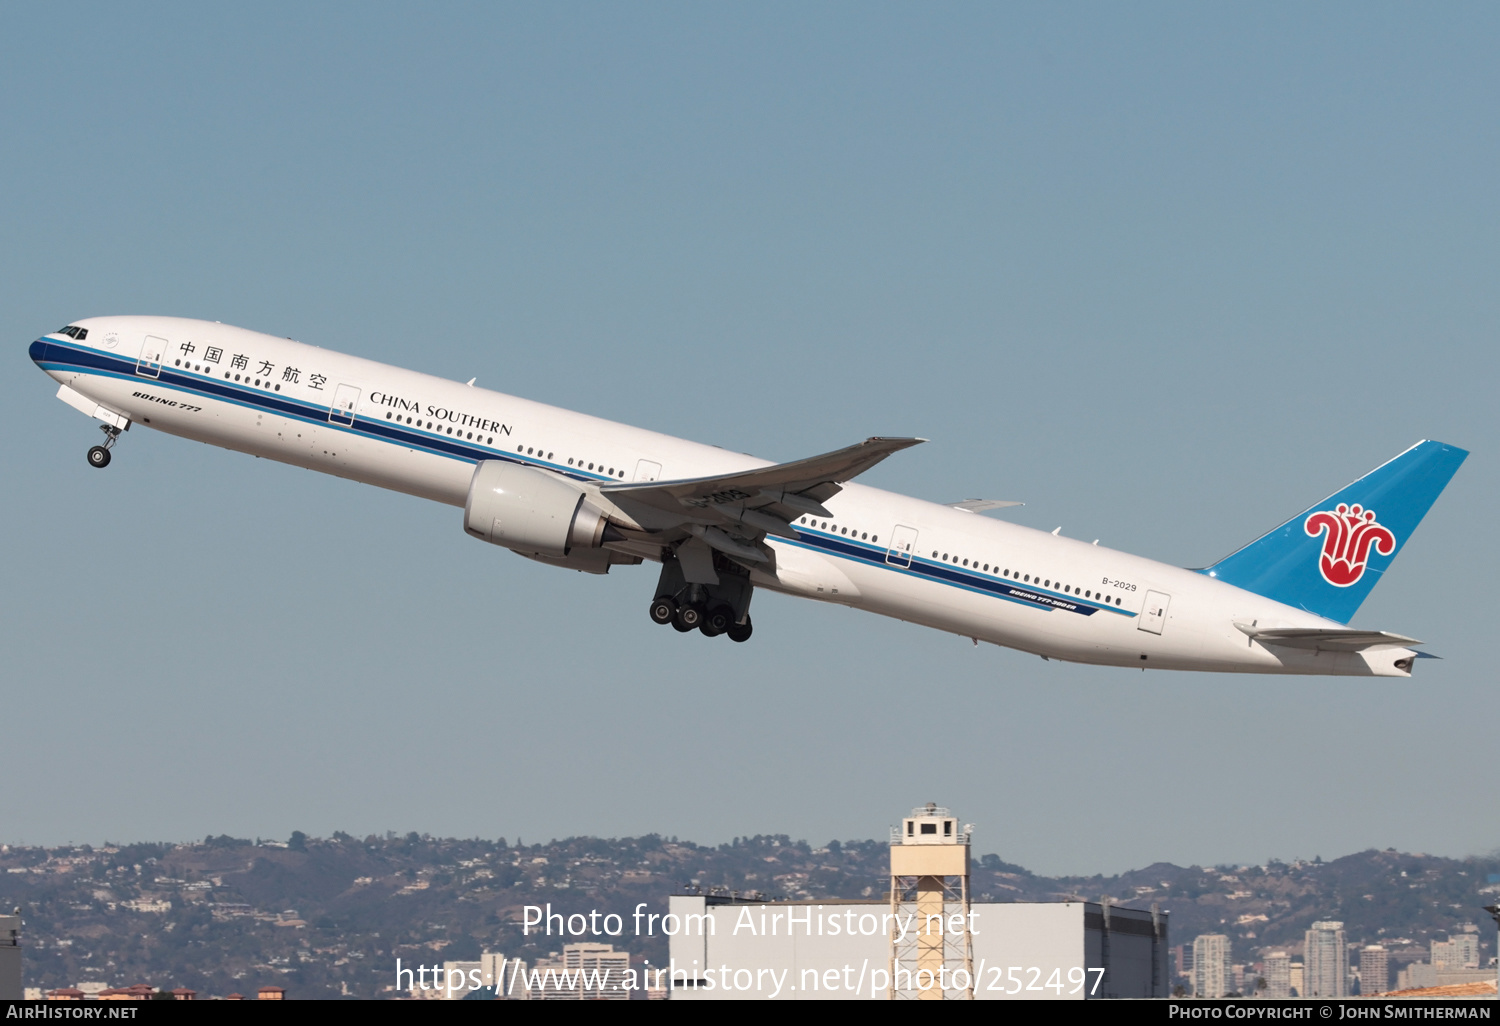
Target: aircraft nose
39	352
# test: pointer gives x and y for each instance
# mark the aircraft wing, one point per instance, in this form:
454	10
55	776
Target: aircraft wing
732	512
1328	639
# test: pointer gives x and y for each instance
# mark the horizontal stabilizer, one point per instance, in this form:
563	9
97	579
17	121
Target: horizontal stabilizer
1328	639
980	505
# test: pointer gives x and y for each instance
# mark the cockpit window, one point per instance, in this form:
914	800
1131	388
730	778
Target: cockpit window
75	331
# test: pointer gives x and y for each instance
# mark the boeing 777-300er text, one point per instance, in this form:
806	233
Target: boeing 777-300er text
575	491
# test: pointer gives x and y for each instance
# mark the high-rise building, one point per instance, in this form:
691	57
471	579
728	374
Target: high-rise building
1459	950
1374	970
1298	979
1326	961
1211	966
1277	971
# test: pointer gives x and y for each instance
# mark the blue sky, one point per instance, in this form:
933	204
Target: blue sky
1166	273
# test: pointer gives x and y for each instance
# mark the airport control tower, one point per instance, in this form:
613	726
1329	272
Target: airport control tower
934	961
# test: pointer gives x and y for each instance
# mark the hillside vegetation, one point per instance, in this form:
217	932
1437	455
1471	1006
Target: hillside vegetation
329	917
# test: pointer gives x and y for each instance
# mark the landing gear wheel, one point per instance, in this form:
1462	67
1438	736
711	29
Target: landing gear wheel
739	631
689	617
98	456
717	621
663	610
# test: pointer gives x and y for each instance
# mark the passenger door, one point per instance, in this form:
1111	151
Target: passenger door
149	365
345	402
1154	616
903	541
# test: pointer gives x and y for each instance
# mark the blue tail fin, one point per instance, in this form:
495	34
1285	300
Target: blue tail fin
1327	558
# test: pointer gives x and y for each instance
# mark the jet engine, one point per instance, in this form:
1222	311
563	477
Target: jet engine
532	512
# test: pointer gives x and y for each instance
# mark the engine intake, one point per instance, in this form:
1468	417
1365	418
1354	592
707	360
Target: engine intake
530	511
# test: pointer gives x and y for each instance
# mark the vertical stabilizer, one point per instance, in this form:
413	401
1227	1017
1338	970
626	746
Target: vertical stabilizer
1328	557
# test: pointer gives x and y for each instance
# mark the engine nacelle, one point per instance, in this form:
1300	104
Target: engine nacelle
531	511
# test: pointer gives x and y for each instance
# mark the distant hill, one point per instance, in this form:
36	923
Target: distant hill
325	917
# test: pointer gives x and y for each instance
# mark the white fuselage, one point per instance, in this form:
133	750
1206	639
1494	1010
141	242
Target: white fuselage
399	429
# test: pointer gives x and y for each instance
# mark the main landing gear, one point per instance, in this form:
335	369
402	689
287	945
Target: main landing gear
99	454
709	609
691	616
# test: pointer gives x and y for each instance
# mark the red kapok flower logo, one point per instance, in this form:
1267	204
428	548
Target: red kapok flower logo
1351	533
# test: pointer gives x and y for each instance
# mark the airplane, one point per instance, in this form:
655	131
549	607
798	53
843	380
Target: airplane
582	493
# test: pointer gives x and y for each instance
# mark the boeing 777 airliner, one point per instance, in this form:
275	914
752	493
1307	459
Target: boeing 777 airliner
575	491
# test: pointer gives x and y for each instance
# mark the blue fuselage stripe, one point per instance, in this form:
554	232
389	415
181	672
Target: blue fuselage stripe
51	354
943	573
93	362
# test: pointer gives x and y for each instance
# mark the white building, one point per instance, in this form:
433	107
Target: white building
840	950
584	972
1277	971
10	959
433	984
1374	970
1459	951
1211	966
508	976
1326	958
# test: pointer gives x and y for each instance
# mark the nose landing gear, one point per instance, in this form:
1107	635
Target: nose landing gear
99	454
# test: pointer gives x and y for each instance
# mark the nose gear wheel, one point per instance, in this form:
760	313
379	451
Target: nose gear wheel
99	454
